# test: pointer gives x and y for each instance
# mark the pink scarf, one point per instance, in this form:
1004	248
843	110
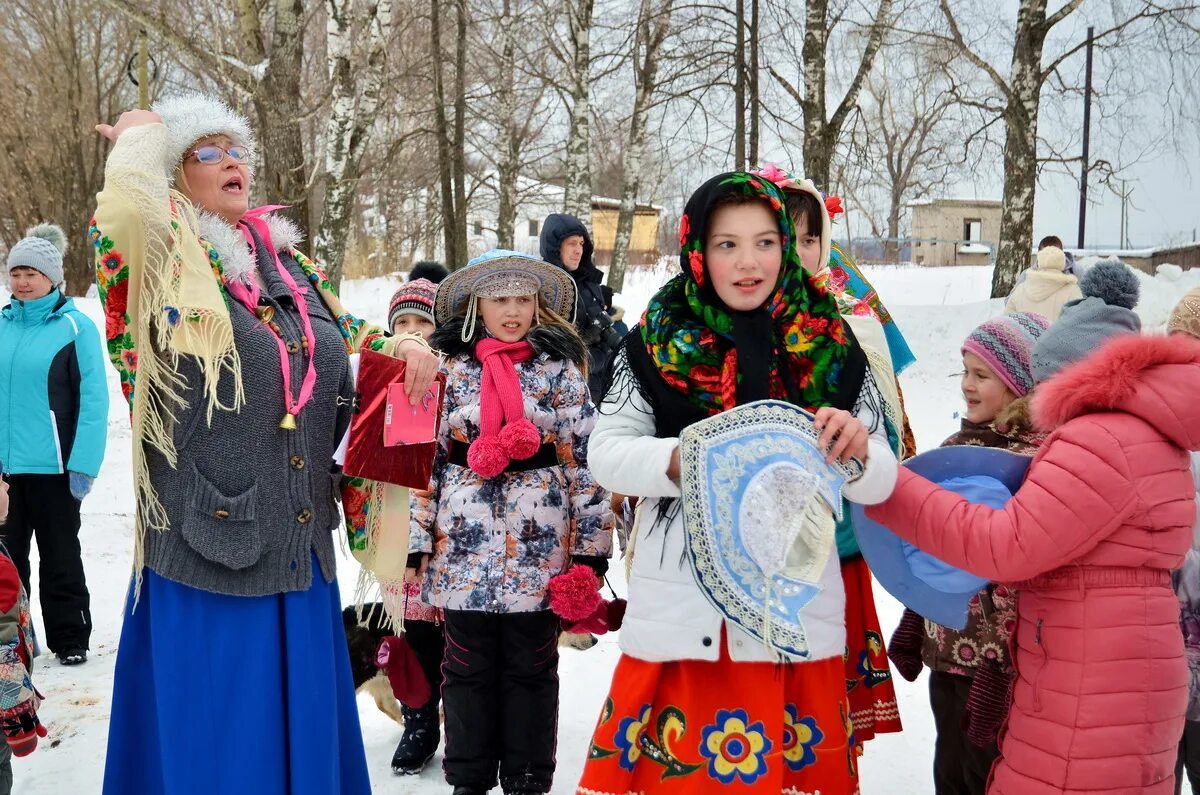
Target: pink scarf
247	292
504	432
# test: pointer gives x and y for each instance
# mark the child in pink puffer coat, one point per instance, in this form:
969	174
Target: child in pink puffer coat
1090	539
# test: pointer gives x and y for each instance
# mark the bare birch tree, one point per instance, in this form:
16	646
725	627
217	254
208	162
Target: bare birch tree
577	200
654	23
355	87
451	133
1020	103
821	129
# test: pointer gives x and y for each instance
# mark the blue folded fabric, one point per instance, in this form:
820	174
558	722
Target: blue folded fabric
923	583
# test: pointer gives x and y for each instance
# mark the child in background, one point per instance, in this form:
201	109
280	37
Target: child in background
697	705
19	701
1185	321
973	664
1047	288
411	311
511	504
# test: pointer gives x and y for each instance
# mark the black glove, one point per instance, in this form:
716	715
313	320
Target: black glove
594	562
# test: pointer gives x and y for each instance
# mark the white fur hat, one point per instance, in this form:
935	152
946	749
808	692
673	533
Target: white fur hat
192	115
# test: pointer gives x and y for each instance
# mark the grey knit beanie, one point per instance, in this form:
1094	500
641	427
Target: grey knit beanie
1110	292
41	249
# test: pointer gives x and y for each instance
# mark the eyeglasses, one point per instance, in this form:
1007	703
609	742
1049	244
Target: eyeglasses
211	154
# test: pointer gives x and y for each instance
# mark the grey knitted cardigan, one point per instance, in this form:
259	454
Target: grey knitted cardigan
251	505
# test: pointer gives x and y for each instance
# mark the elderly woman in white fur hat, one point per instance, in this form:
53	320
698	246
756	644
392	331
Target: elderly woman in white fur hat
232	673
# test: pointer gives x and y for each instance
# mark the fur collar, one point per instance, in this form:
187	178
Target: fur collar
1155	378
236	260
559	343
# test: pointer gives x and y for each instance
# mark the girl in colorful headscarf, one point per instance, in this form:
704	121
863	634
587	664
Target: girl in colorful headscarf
697	705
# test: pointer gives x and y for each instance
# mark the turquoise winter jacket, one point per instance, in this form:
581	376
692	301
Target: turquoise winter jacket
53	394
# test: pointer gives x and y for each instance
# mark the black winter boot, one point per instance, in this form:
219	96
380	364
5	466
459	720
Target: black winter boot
420	740
469	791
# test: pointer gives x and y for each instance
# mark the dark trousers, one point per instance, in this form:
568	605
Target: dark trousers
1189	758
41	506
959	766
500	697
428	643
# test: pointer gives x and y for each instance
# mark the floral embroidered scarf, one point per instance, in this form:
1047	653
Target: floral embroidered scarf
690	335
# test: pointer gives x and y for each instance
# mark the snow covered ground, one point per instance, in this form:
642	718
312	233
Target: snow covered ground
936	308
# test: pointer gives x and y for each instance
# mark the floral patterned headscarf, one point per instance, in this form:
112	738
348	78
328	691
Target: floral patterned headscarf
794	347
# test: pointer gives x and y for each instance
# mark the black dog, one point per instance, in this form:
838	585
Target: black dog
363	641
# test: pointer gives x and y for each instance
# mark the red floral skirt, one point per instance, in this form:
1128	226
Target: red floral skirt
692	727
873	708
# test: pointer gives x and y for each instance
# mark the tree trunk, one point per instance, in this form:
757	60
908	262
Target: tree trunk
442	125
891	248
283	175
753	84
460	152
739	86
817	149
508	165
655	26
577	199
351	119
1020	148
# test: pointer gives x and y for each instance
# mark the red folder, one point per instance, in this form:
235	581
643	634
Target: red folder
367	456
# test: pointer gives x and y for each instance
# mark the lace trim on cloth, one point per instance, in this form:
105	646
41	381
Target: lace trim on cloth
879	400
759	507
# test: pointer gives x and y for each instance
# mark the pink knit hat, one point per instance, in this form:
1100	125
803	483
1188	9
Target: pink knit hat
1005	344
413	298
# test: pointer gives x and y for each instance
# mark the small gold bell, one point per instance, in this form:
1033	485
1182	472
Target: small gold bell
265	313
288	423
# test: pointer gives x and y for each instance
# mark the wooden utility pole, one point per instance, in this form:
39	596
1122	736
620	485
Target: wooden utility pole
1087	134
143	70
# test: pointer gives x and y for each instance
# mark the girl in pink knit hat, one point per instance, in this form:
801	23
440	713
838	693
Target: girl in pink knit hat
971	673
511	504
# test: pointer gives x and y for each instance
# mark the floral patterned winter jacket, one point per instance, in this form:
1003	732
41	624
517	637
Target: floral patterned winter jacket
495	543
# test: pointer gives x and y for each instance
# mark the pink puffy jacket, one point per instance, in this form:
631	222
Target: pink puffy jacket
1105	513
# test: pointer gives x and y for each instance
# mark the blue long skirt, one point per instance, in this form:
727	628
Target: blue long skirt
233	694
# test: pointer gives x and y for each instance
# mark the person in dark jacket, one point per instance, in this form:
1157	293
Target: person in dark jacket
53	430
565	242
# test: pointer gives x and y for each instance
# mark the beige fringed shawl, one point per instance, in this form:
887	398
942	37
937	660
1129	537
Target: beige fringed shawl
162	285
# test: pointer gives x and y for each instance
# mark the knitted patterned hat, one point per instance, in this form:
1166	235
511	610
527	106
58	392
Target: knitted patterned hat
42	250
1185	317
413	298
193	115
1005	344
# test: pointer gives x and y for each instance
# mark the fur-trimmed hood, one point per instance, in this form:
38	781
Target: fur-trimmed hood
1154	378
558	342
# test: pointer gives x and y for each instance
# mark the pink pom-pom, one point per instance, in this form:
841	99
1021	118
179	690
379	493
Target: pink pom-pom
486	457
575	594
520	439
